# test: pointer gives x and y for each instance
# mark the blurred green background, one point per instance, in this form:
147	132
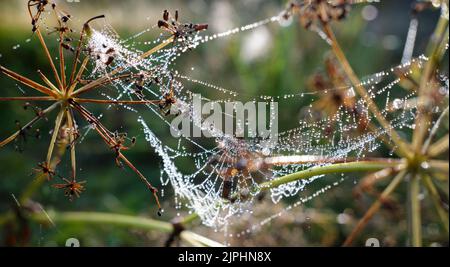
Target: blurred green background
283	63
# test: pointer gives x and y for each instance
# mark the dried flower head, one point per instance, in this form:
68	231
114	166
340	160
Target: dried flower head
335	94
71	188
181	32
318	11
46	170
66	94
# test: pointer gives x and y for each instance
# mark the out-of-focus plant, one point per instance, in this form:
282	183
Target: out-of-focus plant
419	163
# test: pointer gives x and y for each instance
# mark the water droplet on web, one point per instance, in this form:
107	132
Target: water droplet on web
425	165
285	21
397	103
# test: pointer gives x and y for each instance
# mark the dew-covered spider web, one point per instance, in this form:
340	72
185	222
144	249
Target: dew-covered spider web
226	173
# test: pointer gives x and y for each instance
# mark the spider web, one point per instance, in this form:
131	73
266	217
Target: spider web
251	161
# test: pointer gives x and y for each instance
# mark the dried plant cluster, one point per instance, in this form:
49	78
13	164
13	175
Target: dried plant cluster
244	169
66	90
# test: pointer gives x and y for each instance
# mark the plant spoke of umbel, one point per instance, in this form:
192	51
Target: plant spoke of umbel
63	89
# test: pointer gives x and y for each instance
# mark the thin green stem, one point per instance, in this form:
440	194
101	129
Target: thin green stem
102	218
414	220
327	169
189	219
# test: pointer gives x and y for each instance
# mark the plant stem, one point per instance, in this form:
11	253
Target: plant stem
108	76
71	124
199	240
443	214
102	218
433	131
55	133
41	178
50	60
415	225
28	98
156	48
439	166
402	146
48	82
28	125
24	80
110	101
189	219
327	169
73	84
374	208
439	146
424	104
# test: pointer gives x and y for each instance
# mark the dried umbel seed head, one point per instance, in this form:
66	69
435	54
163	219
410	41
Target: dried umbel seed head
46	170
314	11
40	7
418	7
71	188
179	31
166	103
